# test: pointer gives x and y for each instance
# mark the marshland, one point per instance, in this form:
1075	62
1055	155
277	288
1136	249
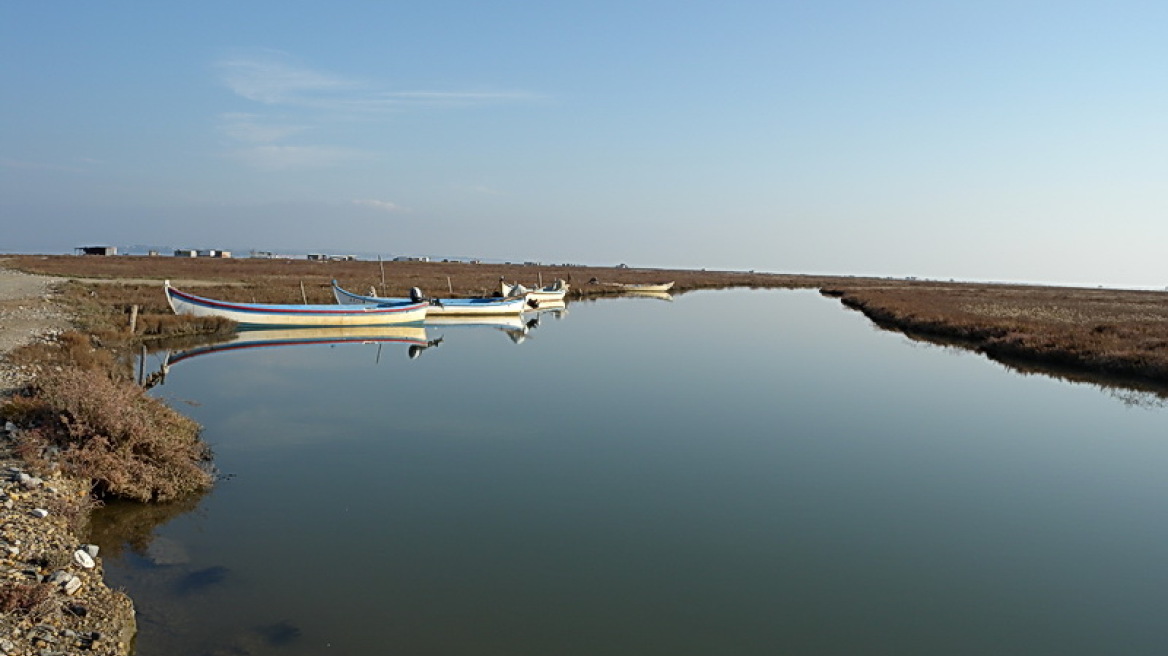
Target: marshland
751	465
1114	333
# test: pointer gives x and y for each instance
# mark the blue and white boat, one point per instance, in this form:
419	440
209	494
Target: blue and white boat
445	307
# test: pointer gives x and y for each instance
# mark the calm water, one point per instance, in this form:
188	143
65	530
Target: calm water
736	472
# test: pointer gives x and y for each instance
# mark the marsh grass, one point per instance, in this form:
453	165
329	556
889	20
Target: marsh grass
1114	332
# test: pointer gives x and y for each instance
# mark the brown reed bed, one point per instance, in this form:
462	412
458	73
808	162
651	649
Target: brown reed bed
1119	334
1113	333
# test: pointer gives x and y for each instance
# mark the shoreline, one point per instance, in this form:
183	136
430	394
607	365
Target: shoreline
54	601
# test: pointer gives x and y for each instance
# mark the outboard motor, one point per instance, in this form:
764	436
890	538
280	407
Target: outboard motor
416	295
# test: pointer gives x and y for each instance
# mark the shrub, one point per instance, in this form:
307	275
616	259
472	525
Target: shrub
24	599
129	444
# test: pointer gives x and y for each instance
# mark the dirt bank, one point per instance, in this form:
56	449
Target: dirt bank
53	599
27	314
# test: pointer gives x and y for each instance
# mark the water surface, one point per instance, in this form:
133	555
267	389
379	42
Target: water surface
735	472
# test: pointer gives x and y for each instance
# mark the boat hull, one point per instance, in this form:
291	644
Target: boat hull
261	314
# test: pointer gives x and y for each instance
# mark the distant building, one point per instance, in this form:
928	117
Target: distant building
96	250
317	257
406	258
185	252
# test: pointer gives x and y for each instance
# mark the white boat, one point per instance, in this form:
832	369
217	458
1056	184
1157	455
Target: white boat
657	287
441	307
554	292
271	314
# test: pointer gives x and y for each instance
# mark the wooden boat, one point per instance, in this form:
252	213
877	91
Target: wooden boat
411	335
554	292
265	314
482	306
641	288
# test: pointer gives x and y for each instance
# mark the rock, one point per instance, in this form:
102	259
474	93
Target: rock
91	549
59	576
28	481
82	558
72	585
39	513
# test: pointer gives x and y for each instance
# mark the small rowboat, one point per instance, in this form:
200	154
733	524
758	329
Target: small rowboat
264	314
639	288
448	307
554	292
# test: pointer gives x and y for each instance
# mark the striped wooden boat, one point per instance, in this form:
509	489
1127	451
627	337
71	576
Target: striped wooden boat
265	314
445	307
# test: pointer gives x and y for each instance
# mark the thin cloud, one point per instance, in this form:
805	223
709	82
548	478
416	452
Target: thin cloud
284	158
380	205
275	78
300	99
272	79
254	128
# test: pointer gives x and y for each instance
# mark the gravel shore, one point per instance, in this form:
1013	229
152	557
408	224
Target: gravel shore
53	598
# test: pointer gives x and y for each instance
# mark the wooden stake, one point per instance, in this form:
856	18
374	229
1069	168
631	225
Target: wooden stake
303	294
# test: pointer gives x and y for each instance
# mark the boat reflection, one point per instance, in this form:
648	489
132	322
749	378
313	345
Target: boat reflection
517	328
661	296
414	336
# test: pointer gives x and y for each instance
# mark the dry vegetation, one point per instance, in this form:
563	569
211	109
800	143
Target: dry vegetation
1122	335
1087	331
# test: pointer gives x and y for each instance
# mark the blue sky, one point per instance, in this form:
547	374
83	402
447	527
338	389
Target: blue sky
977	140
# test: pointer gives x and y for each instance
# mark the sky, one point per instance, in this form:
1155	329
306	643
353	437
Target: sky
1011	141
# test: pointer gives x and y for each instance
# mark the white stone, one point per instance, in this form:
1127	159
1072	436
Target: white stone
40	512
83	559
72	585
